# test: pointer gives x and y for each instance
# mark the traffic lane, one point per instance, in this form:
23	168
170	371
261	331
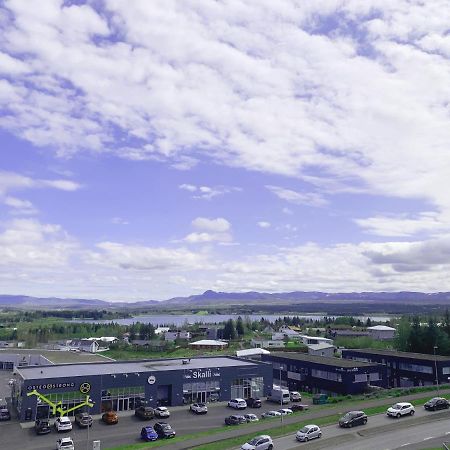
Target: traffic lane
379	420
400	438
5	388
435	442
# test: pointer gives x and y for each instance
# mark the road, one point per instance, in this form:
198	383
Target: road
380	433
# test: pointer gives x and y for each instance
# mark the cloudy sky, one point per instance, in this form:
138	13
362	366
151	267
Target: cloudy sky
156	149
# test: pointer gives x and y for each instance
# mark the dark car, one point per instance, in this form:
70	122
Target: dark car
352	419
83	420
4	413
144	412
254	402
42	426
164	430
149	434
235	420
299	407
436	403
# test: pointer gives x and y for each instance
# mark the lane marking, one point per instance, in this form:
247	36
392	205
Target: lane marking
404	445
428	438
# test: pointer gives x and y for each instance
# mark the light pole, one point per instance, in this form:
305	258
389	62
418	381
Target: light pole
435	368
281	396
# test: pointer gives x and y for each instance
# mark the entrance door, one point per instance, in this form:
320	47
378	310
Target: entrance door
201	397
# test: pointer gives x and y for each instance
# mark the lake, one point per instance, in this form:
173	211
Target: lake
179	320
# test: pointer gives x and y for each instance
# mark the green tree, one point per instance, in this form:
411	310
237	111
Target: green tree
240	327
229	331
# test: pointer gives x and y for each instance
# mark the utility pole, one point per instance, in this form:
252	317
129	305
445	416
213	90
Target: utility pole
435	368
281	396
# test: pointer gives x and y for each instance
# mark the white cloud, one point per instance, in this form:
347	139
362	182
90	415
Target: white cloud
219	225
119	221
210	230
287	211
20	206
208	192
298	198
264	224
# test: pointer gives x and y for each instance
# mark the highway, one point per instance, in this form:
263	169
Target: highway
380	433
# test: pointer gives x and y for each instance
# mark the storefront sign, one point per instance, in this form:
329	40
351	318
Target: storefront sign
202	373
41	387
151	379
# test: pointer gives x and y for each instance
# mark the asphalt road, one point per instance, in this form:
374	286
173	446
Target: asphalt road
380	433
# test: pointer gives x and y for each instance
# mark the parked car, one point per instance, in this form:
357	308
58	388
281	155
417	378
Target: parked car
65	443
162	412
285	411
295	396
308	432
164	430
144	412
401	409
110	417
237	403
254	402
263	442
437	403
149	434
42	426
270	414
251	417
84	420
235	420
198	408
299	407
353	418
4	413
63	424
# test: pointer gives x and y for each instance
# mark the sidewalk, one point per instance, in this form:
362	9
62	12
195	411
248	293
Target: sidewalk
302	417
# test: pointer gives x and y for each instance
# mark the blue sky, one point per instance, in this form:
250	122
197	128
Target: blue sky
157	149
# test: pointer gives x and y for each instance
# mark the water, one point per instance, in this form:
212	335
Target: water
179	320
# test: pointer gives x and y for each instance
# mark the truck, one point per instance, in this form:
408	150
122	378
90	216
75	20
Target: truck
279	395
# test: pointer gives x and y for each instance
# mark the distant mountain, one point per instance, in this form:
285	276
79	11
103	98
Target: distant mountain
236	298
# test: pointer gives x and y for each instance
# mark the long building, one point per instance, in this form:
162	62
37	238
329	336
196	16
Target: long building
320	374
127	384
405	369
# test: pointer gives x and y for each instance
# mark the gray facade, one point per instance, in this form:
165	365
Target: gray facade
125	385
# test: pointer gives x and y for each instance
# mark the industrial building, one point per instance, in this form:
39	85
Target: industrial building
405	369
321	374
125	385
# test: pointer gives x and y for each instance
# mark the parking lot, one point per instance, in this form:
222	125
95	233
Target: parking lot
5	390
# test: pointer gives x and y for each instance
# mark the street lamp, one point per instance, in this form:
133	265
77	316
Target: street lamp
281	397
435	368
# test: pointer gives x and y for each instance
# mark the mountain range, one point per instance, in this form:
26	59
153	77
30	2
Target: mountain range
232	298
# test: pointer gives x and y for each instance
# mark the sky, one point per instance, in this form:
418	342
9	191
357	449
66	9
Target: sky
158	149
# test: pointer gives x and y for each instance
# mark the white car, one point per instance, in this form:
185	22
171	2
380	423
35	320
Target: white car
162	411
63	424
295	396
263	442
65	443
199	408
237	403
270	414
285	411
251	417
401	409
308	432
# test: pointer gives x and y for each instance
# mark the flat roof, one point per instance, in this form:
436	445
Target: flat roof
398	354
126	367
325	360
58	356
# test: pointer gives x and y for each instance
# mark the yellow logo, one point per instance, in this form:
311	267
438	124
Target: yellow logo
85	388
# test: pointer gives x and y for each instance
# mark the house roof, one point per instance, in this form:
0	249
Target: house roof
365	352
209	342
321	346
252	352
324	360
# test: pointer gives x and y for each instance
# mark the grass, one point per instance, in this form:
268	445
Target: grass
274	432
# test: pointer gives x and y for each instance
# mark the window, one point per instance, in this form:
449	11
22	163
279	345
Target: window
325	375
446	370
247	387
415	368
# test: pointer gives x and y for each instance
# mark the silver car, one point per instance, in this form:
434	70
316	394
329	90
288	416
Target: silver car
308	432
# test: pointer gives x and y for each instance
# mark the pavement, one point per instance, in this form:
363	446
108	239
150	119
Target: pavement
14	437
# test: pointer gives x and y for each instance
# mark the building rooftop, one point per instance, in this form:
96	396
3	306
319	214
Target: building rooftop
321	346
127	367
252	352
324	360
210	342
58	356
381	328
398	354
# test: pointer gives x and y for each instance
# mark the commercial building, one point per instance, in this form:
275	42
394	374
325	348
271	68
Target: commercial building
125	385
320	374
405	369
322	349
381	332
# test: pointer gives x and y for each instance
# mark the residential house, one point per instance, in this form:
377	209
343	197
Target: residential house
321	349
208	344
381	332
84	345
173	335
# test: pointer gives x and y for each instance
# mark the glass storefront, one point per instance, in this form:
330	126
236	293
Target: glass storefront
123	399
201	392
68	400
247	387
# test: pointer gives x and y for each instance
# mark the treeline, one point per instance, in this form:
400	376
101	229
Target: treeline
422	337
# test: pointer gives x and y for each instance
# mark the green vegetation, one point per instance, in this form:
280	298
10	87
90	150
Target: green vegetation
362	342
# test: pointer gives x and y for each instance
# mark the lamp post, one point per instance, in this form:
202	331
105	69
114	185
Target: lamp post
435	368
281	396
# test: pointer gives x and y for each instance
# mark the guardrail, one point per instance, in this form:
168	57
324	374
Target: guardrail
446	445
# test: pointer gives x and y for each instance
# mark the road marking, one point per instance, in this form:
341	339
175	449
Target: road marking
404	445
428	438
447	432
